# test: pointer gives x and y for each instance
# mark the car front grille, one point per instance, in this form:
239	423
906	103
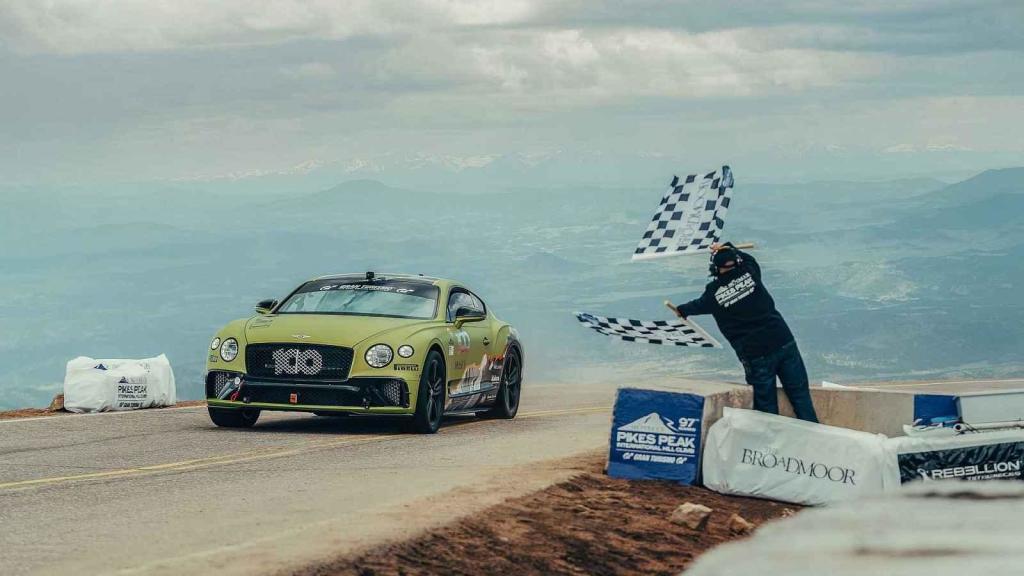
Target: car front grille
357	392
298	362
393	392
219	383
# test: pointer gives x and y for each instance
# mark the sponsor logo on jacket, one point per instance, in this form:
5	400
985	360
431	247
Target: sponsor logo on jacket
736	290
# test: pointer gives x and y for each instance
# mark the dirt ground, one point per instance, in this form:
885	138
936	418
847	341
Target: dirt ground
591	524
37	412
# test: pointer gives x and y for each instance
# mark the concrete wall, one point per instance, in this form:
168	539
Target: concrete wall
879	411
868	410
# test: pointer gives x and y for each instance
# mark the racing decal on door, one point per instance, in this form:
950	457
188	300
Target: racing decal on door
461	341
492	367
483	377
470	381
466	402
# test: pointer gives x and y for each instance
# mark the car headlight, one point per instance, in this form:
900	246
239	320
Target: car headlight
405	351
379	355
229	350
215	344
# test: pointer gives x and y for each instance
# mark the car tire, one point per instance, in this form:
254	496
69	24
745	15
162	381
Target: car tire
234	417
431	396
510	389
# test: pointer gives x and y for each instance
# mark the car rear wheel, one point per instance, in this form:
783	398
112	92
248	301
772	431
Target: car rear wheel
507	404
431	395
234	417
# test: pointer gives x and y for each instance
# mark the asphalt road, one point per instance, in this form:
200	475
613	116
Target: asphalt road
164	491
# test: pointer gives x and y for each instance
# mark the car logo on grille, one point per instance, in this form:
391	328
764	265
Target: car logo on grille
300	336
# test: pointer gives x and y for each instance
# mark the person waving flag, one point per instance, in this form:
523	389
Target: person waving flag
747	317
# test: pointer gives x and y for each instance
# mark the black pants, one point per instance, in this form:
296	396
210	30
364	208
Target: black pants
786	364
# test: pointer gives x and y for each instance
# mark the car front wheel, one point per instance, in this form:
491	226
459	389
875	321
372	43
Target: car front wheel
431	395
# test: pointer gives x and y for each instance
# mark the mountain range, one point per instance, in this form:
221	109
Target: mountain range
880	280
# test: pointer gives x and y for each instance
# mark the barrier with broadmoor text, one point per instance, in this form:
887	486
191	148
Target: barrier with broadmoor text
751	453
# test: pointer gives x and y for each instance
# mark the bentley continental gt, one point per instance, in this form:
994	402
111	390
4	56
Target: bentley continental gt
367	344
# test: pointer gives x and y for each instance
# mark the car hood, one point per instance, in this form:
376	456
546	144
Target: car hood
332	330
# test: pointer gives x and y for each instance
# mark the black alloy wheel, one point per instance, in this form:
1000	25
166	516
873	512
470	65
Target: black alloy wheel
507	404
431	396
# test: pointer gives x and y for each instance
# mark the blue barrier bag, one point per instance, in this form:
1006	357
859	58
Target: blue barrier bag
656	435
935	409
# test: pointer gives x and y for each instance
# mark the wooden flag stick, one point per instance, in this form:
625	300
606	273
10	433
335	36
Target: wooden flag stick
673	308
745	246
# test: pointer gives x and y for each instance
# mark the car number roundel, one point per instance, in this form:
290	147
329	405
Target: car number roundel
293	361
462	341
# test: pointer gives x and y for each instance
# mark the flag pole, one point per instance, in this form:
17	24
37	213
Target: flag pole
673	308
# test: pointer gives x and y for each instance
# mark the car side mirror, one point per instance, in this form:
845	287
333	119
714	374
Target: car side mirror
464	315
265	306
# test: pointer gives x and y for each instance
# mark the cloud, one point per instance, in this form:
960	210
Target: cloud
75	27
895	26
311	70
928	147
105	26
607	64
234	86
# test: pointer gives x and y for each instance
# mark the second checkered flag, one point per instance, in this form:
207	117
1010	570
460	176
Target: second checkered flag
678	332
690	217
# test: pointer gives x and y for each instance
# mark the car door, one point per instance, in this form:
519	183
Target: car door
467	347
493	355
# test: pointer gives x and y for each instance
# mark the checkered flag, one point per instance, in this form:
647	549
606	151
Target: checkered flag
690	217
678	332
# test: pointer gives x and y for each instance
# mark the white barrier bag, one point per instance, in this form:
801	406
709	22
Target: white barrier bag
984	456
756	454
92	385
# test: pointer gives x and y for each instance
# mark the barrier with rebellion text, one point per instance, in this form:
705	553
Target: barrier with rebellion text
984	456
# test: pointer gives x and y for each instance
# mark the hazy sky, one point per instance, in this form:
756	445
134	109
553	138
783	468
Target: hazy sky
109	90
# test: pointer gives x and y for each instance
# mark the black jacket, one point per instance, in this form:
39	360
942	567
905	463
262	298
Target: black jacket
744	310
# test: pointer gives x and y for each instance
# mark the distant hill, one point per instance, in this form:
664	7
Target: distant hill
988	184
362	187
879	279
987	206
987	211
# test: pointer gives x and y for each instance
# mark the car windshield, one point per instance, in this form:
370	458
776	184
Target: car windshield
381	297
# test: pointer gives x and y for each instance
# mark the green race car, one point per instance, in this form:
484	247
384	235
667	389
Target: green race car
367	344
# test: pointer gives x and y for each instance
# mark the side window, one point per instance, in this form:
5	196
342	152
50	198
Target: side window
462	299
478	303
458	300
